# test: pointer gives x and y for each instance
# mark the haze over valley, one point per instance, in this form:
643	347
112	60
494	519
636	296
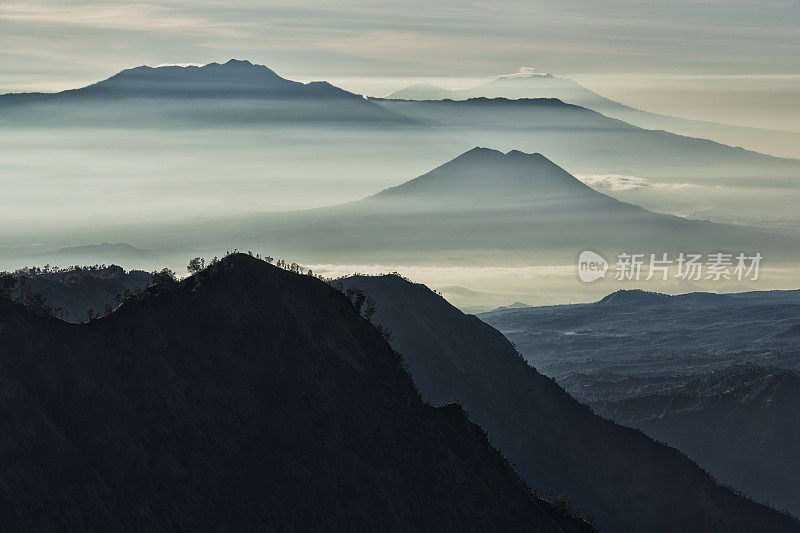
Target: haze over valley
151	152
365	266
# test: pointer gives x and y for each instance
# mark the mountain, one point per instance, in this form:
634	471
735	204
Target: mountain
516	87
638	298
103	252
639	333
595	144
549	86
489	207
617	475
243	120
244	397
740	423
234	79
515	305
236	92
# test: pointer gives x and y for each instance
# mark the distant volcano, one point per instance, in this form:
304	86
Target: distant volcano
236	92
514	205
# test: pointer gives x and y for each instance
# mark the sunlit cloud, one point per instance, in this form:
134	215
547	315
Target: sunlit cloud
151	18
117	16
617	182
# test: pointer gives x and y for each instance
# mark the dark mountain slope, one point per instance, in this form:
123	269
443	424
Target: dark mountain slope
243	398
624	479
742	424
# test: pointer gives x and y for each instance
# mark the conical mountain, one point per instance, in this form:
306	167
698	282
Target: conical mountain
487	175
487	205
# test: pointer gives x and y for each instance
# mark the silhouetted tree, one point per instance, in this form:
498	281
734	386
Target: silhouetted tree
384	331
22	283
566	505
196	265
90	314
7	284
369	308
357	297
37	304
60	312
164	278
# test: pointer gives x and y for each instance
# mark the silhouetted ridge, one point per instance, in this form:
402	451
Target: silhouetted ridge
242	398
617	475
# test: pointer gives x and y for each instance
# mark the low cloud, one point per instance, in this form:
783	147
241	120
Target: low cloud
619	182
523	72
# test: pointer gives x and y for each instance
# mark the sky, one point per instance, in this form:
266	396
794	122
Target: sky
730	61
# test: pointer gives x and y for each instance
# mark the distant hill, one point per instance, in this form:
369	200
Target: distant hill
106	252
242	398
631	333
741	423
515	305
549	86
622	478
640	298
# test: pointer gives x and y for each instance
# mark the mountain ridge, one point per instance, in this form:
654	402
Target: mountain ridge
616	474
774	142
243	397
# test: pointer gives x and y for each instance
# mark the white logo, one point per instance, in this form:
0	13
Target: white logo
591	266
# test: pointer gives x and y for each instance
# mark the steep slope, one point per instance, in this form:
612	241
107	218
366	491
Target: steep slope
622	478
243	398
741	424
782	143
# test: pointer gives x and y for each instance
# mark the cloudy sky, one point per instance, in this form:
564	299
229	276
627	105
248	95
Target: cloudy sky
726	60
